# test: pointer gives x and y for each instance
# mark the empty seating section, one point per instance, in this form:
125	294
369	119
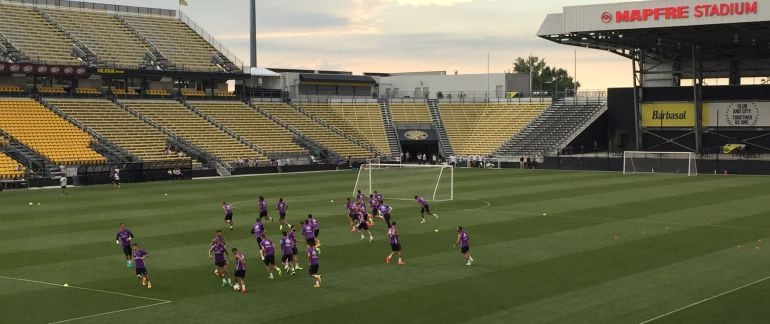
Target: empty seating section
124	92
251	125
104	34
360	121
45	132
10	89
51	90
220	93
176	118
9	168
314	130
33	35
118	126
159	93
176	41
410	113
87	91
192	93
479	129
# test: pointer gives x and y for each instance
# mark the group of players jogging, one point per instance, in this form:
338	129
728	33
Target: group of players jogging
360	221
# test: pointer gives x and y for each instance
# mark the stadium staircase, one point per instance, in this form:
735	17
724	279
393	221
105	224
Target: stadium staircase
80	49
390	129
438	125
336	130
10	52
555	128
8	168
152	55
28	157
101	145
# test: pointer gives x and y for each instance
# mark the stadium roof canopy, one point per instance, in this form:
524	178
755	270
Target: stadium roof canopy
720	33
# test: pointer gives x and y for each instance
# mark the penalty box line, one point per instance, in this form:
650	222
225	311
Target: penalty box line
157	301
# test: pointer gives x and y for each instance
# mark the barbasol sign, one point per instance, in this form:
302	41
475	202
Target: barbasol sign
663	13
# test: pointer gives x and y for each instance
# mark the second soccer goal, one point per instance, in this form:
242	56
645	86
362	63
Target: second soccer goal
404	181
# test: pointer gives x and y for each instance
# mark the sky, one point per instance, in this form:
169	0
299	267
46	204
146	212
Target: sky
398	35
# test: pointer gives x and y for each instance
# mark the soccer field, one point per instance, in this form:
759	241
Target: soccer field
549	247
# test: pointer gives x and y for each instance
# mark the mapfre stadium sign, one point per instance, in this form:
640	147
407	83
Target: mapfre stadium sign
669	13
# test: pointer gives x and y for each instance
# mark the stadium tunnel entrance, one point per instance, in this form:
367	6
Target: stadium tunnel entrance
417	140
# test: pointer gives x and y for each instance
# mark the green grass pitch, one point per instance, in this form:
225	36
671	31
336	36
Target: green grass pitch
610	249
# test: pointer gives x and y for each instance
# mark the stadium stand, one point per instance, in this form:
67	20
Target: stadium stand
118	126
9	168
479	129
37	39
220	93
87	91
157	93
179	120
410	113
45	132
51	90
103	34
360	121
11	89
553	129
124	92
176	41
251	125
192	93
315	131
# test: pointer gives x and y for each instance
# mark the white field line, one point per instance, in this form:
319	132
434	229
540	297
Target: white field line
704	300
157	301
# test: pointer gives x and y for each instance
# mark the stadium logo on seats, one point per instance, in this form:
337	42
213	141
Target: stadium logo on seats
416	135
606	17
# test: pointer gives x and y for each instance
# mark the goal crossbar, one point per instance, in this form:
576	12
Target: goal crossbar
413	178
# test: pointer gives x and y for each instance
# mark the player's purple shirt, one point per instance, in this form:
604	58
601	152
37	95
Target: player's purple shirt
287	246
307	230
313	223
228	209
463	238
374	203
262	206
422	201
378	196
362	217
138	256
258	228
218	238
292	237
392	233
219	252
124	237
267	247
384	209
313	255
281	207
361	197
239	265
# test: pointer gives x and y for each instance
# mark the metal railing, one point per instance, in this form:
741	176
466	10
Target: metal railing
212	41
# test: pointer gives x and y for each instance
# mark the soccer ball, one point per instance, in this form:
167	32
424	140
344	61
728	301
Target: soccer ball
236	287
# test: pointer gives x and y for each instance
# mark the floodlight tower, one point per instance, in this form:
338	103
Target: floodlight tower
253	32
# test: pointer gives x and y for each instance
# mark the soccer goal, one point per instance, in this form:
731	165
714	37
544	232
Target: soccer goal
404	181
660	162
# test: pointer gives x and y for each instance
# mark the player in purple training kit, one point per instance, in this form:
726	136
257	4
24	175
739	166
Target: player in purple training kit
228	214
385	213
363	224
240	269
374	203
395	244
309	234
141	269
351	207
218	237
312	261
462	241
294	253
360	197
123	238
258	229
281	206
267	250
263	208
424	208
287	253
316	229
218	252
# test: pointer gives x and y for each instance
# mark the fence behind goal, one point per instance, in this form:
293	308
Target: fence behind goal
404	181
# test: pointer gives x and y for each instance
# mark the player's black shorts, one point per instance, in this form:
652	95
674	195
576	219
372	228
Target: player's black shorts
141	272
259	241
286	258
220	264
294	251
313	269
425	209
363	226
316	232
240	274
311	241
353	216
127	250
282	215
229	217
64	187
375	211
395	247
465	249
270	259
386	217
262	213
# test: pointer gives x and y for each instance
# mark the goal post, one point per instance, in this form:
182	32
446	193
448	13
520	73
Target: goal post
640	162
404	181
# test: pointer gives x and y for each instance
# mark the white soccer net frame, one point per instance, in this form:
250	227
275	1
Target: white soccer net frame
365	179
643	162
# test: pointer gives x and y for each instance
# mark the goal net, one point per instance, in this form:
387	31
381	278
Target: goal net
660	162
404	181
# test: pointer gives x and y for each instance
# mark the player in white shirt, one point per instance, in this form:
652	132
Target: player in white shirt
63	181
